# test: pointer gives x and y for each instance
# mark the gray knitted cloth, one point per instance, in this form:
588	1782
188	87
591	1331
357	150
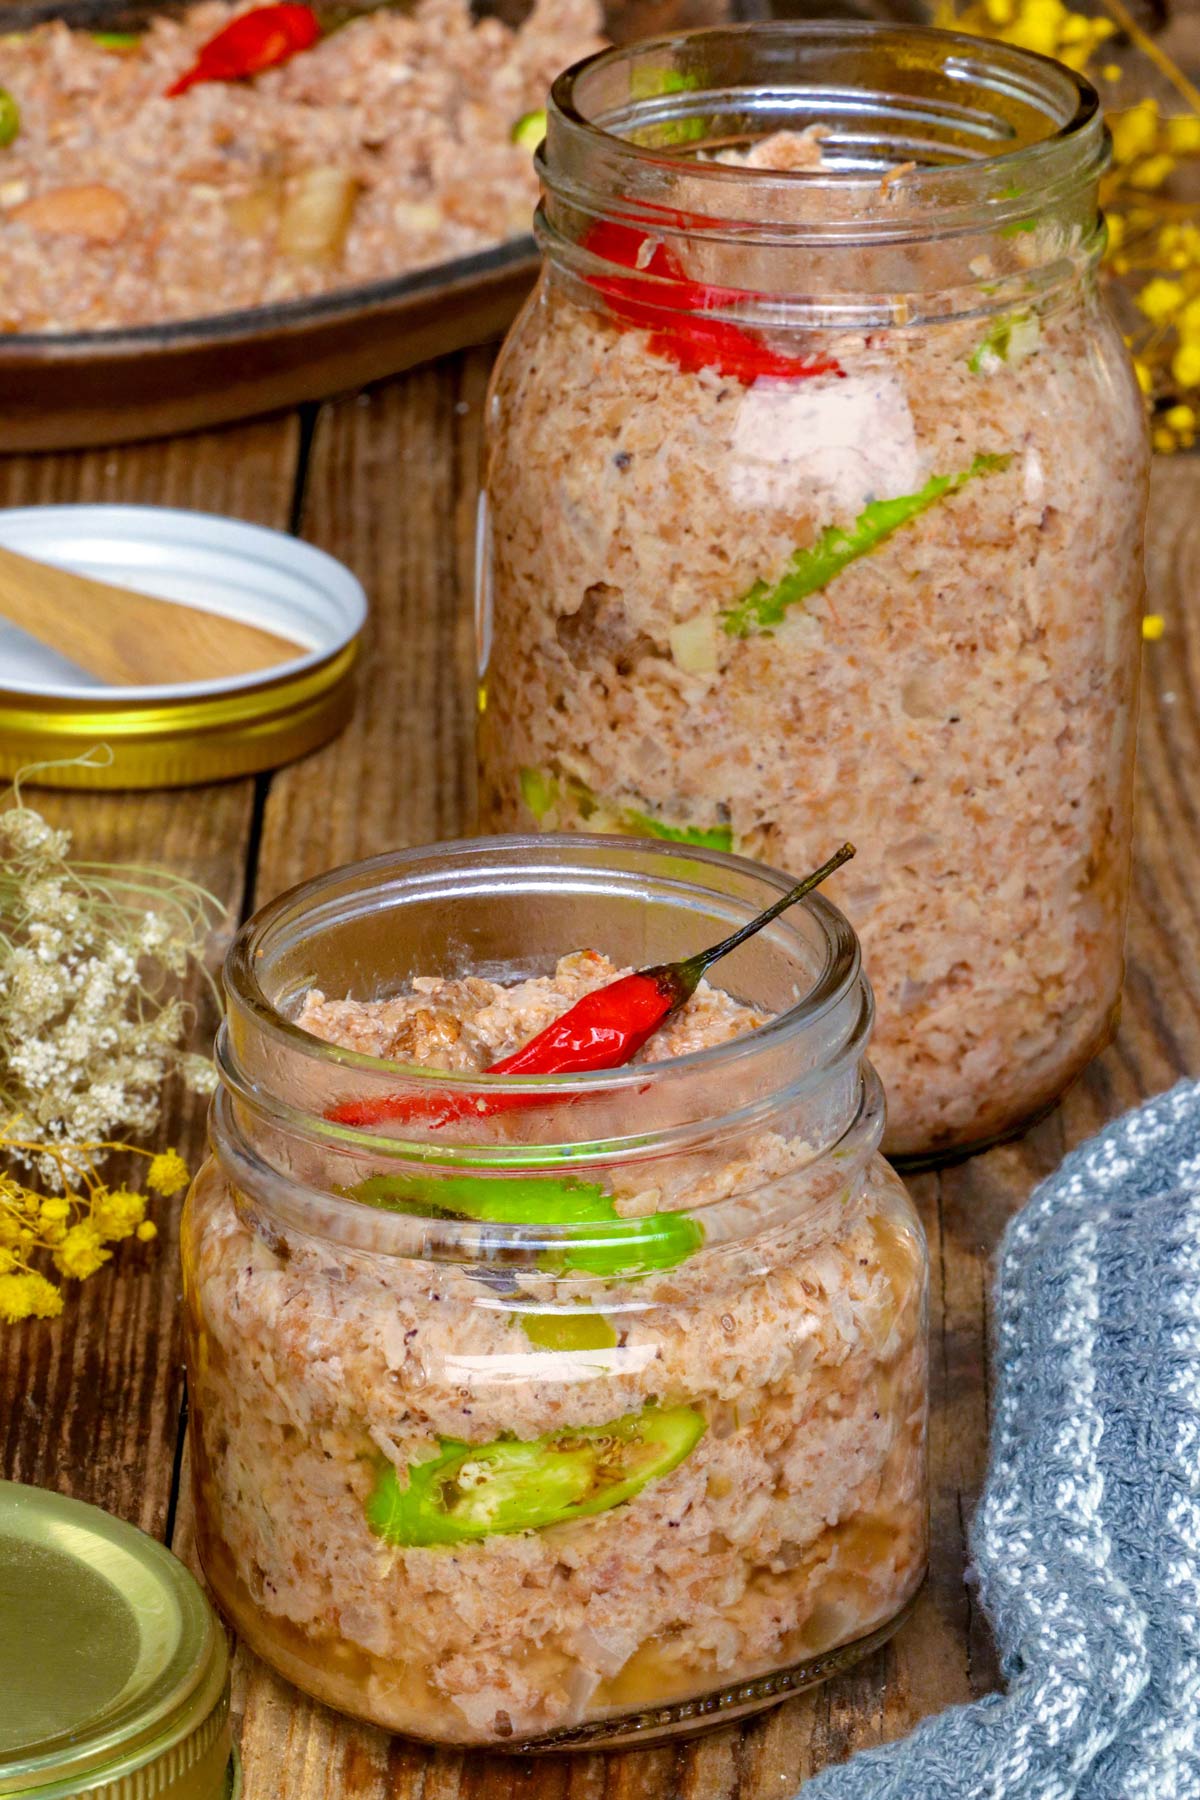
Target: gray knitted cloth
1087	1539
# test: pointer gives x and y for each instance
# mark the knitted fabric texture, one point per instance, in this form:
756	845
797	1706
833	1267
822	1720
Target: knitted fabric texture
1087	1538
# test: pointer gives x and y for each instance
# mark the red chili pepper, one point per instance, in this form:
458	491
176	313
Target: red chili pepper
604	1030
254	41
685	334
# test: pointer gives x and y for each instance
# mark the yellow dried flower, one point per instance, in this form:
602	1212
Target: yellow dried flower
1183	134
1160	298
1037	25
1134	132
1054	30
73	1226
117	1214
1153	236
81	1252
167	1173
25	1294
1178	244
1151	173
1047	26
1185	364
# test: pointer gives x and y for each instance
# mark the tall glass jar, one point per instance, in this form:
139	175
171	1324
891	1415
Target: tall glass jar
815	484
593	1418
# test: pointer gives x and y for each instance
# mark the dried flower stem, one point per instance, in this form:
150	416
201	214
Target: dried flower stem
1165	64
91	1023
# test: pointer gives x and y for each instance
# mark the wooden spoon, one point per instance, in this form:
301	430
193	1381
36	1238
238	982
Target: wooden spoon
130	639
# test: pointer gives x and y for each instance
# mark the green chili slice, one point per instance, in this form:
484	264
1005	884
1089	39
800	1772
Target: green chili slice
529	130
602	1243
815	567
715	837
507	1200
10	118
539	792
473	1491
649	84
542	792
582	1330
1015	334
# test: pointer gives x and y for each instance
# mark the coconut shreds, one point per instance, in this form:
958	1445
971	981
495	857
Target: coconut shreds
796	1524
468	1024
173	207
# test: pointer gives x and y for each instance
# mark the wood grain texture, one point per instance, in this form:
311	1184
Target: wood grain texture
129	638
390	489
90	1405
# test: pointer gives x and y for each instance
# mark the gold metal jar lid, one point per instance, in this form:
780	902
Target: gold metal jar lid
114	1669
177	744
174	735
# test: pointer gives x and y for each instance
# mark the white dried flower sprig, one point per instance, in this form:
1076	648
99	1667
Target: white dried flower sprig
91	956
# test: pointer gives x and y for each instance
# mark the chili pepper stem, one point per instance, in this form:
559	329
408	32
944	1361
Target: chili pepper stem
693	967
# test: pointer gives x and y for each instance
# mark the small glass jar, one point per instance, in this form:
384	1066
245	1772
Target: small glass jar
815	487
674	1314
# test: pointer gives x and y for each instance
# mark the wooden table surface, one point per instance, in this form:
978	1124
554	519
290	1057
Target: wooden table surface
93	1404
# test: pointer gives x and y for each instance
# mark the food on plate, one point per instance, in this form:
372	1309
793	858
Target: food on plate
231	157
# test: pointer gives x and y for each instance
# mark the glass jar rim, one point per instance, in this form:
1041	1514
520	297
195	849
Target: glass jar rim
1073	148
278	1124
841	970
336	1214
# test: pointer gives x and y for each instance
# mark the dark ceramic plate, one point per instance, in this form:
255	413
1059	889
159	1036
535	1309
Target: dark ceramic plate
105	387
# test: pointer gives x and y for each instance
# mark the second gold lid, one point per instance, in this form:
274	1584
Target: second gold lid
114	1669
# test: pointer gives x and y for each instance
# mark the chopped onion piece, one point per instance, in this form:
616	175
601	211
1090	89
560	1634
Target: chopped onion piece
694	645
317	213
257	209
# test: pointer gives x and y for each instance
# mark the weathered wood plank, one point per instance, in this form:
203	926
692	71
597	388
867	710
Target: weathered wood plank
391	490
90	1404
